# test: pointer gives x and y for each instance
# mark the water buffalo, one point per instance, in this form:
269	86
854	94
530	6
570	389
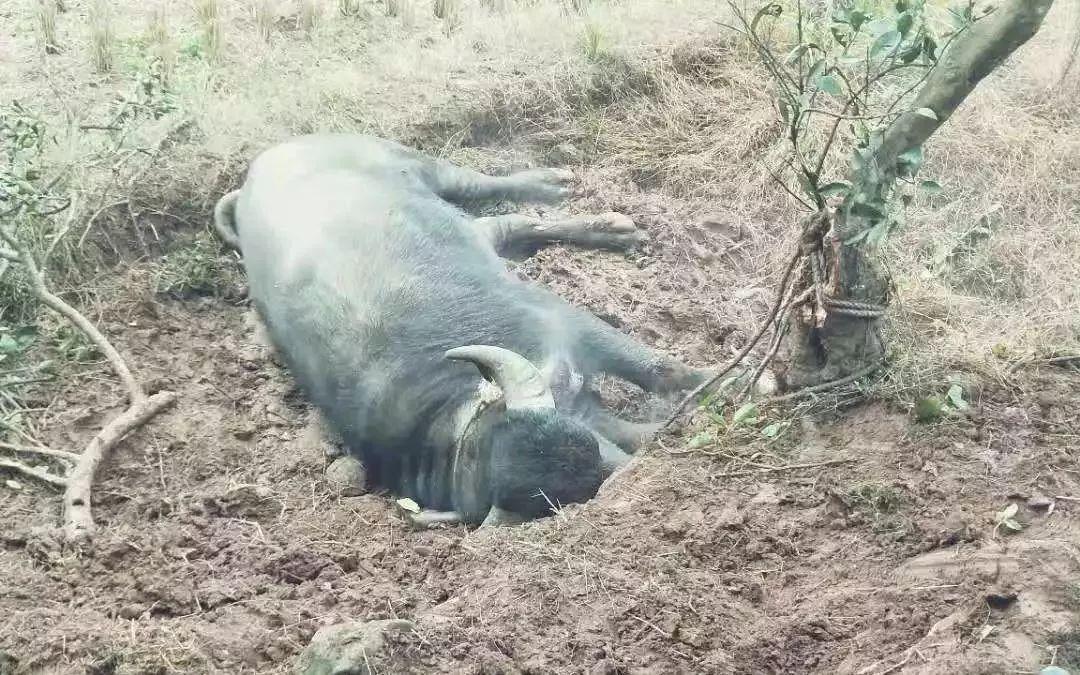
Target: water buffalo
391	307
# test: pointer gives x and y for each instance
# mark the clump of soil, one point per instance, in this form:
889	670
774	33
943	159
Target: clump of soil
223	548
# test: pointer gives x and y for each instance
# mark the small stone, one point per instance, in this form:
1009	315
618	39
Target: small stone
347	476
130	611
244	432
347	647
13	485
723	225
1040	502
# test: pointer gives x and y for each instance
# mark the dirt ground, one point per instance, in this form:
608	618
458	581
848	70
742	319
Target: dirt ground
222	548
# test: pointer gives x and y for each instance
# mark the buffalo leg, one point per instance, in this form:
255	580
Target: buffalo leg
612	457
611	351
464	186
625	434
513	233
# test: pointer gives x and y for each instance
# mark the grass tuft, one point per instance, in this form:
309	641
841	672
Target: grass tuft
208	13
102	38
307	16
198	269
264	19
46	20
161	46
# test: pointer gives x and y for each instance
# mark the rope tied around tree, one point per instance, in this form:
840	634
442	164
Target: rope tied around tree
812	248
810	254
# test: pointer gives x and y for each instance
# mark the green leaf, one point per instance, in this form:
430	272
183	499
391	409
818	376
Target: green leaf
856	238
956	397
747	414
856	19
909	162
911	52
878	232
794	54
773	430
904	23
927	112
772	9
830	84
409	505
886	42
868	211
842	37
1012	525
929	48
815	70
931	187
1007	512
838	188
701	440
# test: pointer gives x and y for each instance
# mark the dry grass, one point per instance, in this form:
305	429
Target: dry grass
348	7
46	14
101	36
209	18
264	19
307	16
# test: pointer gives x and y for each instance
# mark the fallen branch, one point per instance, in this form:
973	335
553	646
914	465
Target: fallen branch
786	467
750	344
78	521
825	386
78	484
41	450
1061	360
40	474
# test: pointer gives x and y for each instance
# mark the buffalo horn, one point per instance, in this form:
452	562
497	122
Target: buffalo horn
522	384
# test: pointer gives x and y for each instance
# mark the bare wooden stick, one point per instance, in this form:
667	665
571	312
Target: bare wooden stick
53	302
750	344
786	467
78	520
41	475
41	450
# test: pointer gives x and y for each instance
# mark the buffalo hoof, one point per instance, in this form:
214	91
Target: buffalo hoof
348	647
347	476
549	185
618	230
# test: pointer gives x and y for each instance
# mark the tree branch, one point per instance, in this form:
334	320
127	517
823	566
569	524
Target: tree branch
45	476
986	45
53	302
47	452
78	520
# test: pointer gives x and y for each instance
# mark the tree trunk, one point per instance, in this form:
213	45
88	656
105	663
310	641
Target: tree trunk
821	346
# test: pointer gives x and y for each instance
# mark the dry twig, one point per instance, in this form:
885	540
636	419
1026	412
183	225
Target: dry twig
78	519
